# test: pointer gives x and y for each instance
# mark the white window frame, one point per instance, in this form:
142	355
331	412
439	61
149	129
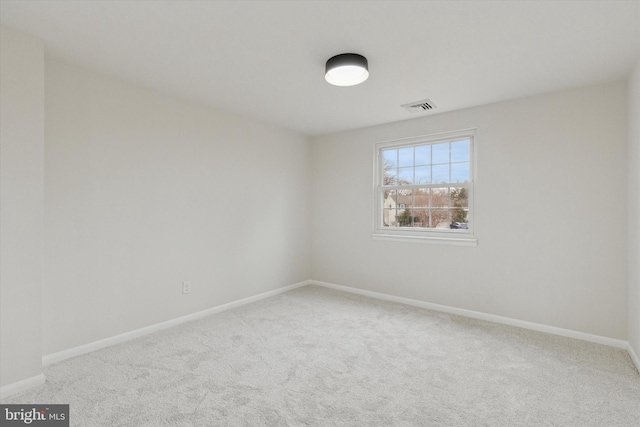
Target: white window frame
427	235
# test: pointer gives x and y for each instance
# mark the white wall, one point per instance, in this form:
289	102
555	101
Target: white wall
144	191
634	210
550	216
21	205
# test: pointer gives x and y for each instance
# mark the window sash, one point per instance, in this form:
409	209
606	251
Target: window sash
383	211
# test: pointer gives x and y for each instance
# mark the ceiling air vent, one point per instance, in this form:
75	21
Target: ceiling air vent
419	106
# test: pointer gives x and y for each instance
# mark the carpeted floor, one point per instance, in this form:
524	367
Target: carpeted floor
319	357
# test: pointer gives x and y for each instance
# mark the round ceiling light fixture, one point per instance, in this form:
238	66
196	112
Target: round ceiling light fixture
346	69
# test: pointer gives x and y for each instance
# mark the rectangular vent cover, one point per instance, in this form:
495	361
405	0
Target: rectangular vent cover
419	106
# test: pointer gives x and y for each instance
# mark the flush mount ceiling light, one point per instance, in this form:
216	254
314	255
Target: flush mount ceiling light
346	69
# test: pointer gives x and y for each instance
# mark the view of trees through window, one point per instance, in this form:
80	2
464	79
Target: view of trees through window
426	185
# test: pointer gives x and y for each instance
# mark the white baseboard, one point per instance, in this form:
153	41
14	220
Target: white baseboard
97	345
20	386
87	348
634	357
612	342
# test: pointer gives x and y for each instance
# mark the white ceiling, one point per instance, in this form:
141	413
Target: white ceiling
265	59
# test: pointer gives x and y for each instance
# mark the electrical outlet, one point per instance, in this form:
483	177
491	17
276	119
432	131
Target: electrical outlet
186	287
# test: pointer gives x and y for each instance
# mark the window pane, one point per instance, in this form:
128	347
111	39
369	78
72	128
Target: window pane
459	219
389	198
405	176
389	208
389	167
440	197
459	197
423	175
404	208
390	157
404	218
421	218
461	151
389	218
404	199
421	198
405	157
423	155
440	174
390	177
460	172
440	152
459	208
439	218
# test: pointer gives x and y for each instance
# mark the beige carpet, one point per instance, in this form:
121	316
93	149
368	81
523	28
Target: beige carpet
318	357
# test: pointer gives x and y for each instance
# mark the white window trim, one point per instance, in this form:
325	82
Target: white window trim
435	236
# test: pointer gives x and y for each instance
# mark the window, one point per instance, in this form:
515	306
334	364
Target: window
424	188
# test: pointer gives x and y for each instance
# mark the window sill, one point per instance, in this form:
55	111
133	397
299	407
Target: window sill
467	240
